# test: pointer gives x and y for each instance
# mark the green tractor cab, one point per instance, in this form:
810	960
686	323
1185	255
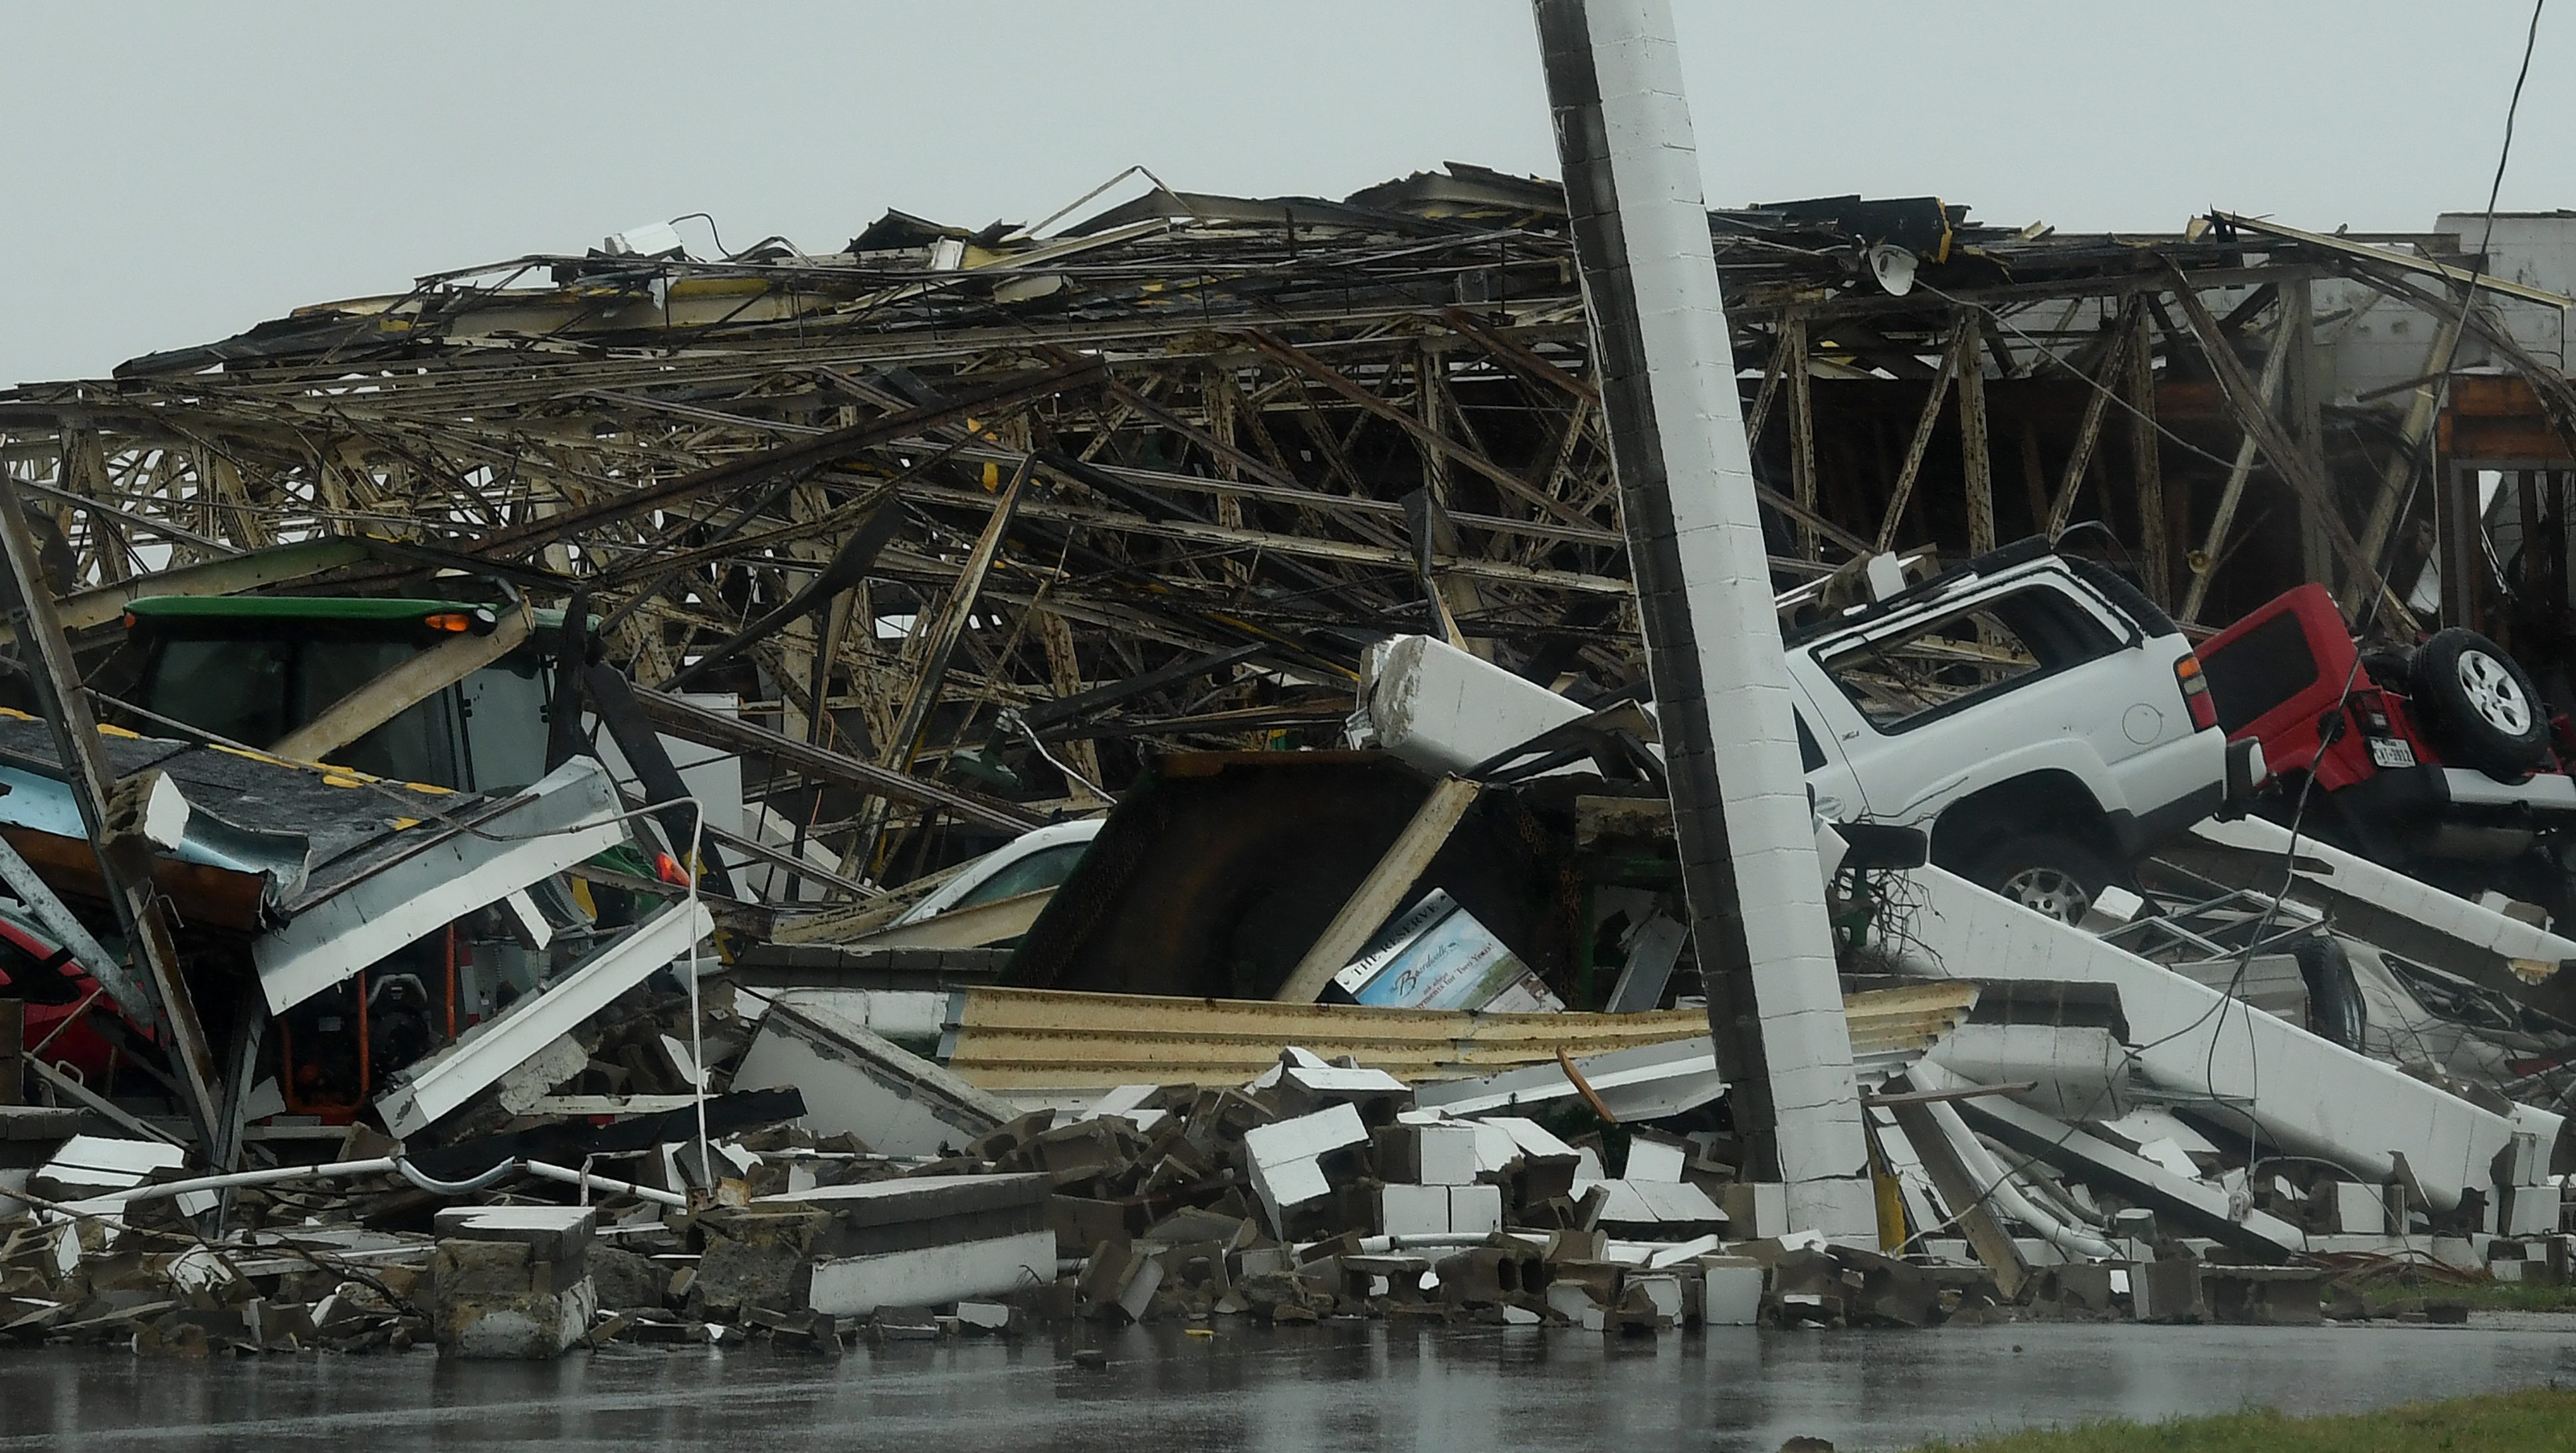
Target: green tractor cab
253	669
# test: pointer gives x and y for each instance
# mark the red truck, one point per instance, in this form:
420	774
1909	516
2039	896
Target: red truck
2441	761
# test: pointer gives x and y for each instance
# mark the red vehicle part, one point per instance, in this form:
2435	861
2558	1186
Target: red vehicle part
57	996
2326	716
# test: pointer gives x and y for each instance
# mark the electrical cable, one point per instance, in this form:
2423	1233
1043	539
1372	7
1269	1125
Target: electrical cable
2468	295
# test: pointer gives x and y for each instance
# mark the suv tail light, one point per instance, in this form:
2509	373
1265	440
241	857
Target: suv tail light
2195	693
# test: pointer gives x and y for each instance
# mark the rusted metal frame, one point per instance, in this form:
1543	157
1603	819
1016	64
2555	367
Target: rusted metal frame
83	473
1522	359
1333	380
1248	414
1361	513
1105	429
2120	285
1996	346
827	657
1872	348
1976	451
1445	398
2556	393
2411	455
1302	546
56	680
1802	431
652	560
1560	478
377	432
2204	561
2145	462
1585	397
1759	416
2277	446
848	564
804	454
1963	337
772	492
1443	404
1319	428
2460	583
2034	474
691	722
1224	451
2088	434
2303	406
954	613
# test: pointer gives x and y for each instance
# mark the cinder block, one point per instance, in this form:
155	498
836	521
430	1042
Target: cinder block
2169	1291
1755	1210
1571	1299
1305	1137
1663	1289
1653	1157
551	1233
1414	1210
1447	1155
1731	1290
1475	1209
2360	1210
2531	1211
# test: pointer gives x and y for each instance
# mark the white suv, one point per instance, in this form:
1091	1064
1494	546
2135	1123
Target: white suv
2038	715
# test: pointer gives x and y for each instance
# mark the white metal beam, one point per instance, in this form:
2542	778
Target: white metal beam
439	1085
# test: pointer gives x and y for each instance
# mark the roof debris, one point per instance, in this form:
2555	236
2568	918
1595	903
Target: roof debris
1106	773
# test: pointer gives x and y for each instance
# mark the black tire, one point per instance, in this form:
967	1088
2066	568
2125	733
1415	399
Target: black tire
2335	1008
2479	706
2044	871
2387	666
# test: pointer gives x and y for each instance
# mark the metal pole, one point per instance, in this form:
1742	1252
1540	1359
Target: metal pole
60	697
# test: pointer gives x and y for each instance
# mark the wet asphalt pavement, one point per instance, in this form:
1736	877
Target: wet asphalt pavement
1341	1387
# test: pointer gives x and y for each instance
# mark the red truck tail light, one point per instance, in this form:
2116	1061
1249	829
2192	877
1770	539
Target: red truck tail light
2195	693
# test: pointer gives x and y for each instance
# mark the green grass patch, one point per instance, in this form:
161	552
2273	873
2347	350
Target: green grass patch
2389	1295
2504	1296
2540	1420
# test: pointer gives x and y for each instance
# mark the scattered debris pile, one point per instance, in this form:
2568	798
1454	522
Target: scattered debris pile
980	781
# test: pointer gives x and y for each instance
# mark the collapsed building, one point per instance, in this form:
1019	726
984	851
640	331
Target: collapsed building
1106	768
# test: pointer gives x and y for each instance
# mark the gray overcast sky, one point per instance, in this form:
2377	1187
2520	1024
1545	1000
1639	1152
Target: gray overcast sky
173	173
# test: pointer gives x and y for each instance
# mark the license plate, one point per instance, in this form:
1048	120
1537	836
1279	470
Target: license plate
2389	752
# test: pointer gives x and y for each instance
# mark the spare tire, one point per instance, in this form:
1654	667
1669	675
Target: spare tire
2479	706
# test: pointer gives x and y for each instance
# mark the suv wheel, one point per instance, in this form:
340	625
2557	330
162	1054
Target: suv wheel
2045	872
2484	709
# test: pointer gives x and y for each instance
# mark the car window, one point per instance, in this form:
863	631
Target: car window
1904	679
416	746
235	689
2259	670
1810	755
1044	868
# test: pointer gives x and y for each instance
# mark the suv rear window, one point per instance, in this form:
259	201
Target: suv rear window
1902	681
2259	670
